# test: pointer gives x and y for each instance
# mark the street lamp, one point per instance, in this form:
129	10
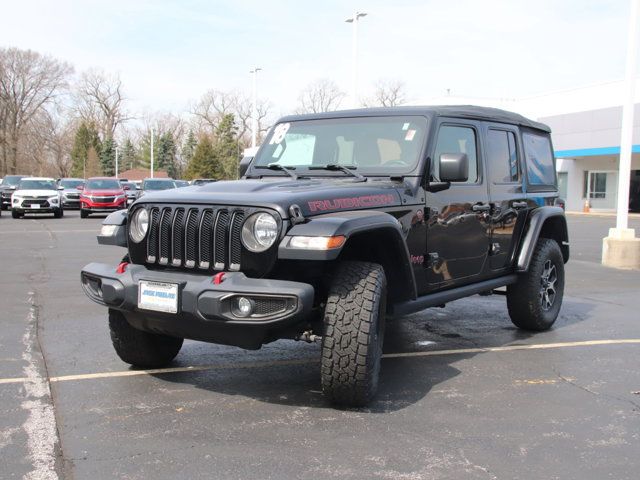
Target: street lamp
116	162
254	107
354	57
151	152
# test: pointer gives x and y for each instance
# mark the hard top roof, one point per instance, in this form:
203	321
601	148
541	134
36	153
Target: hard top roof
460	111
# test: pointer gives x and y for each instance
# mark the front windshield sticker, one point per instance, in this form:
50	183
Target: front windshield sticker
279	133
409	136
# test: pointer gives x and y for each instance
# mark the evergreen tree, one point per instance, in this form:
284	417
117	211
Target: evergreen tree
129	156
166	159
86	140
188	148
204	163
226	148
108	157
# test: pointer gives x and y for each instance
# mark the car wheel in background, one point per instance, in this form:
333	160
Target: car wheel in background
83	213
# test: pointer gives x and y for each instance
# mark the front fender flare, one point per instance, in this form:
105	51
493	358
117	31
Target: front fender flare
117	219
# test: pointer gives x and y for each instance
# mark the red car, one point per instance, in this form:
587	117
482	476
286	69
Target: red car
100	195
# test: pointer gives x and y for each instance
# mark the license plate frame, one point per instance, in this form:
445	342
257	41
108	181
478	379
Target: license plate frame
158	296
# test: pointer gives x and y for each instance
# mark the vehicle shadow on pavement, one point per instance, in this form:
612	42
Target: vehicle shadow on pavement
290	371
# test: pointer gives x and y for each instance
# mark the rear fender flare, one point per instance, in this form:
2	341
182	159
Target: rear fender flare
548	222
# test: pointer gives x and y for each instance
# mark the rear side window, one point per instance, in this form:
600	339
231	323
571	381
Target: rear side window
503	156
457	139
540	167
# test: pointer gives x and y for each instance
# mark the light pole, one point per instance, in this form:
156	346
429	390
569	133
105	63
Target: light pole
621	248
116	162
254	107
354	57
151	152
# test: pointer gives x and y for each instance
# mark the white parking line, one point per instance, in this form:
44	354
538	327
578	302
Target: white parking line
277	363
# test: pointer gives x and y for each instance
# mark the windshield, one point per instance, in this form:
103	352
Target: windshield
103	184
372	144
158	184
37	185
11	180
71	183
131	185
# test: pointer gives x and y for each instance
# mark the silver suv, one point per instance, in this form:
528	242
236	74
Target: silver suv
70	191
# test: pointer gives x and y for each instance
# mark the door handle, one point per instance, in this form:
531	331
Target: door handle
481	207
519	204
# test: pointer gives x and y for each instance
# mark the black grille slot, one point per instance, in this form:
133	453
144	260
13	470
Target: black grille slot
191	239
152	239
178	238
206	236
235	246
220	234
269	306
165	236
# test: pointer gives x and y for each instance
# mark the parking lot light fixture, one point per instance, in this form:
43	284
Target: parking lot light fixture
354	56
254	106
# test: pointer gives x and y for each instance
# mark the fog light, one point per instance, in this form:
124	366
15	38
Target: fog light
244	307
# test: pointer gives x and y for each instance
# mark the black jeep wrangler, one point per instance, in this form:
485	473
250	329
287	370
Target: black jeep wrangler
341	219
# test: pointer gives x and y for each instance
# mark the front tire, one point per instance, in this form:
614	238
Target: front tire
83	213
16	214
354	321
58	213
138	348
534	301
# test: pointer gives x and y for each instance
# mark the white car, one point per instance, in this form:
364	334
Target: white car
36	195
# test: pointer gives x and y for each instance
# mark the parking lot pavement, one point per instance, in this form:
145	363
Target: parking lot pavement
463	393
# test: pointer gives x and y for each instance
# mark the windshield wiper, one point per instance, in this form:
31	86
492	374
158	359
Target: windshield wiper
334	167
276	166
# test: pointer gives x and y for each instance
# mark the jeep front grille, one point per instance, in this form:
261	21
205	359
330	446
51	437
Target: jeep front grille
206	238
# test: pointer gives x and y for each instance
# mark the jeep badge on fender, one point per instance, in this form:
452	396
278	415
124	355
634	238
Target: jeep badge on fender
340	220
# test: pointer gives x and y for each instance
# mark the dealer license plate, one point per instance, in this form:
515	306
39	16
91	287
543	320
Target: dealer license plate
158	296
35	205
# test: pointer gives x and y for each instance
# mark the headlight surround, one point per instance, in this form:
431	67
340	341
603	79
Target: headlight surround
259	232
54	200
139	225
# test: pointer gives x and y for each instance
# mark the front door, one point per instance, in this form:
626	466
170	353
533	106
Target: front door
457	218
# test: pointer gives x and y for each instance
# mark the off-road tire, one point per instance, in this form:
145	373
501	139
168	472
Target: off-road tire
528	307
354	320
138	348
83	213
15	214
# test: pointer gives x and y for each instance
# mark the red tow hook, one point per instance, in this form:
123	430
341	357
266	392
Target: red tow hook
122	267
218	278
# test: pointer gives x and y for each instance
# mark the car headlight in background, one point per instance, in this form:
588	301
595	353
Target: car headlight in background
54	200
139	225
259	232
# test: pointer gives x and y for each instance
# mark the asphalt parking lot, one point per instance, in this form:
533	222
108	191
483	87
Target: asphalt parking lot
463	393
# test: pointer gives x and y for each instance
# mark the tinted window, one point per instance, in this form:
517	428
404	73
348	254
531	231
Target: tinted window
103	184
158	184
540	166
11	180
503	156
453	139
37	185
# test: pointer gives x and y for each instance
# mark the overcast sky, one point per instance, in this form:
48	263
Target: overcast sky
169	52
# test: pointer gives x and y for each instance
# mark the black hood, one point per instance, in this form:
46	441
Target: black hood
314	196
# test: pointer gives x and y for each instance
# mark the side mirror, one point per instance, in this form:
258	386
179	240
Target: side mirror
12	187
453	167
80	187
126	187
244	165
60	187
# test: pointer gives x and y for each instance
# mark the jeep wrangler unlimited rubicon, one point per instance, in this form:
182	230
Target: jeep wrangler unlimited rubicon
341	219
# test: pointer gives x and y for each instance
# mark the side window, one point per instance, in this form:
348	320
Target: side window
502	156
456	139
540	167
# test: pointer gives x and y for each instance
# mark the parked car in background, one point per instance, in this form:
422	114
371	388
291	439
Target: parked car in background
131	190
70	191
36	195
202	181
100	195
8	185
182	183
156	184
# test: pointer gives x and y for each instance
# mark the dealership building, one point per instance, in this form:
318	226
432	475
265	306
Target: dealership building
586	127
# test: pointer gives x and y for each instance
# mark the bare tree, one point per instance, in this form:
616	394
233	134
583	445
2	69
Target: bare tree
244	112
387	93
320	96
212	106
29	82
100	99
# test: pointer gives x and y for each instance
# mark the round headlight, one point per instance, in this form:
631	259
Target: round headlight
259	232
139	225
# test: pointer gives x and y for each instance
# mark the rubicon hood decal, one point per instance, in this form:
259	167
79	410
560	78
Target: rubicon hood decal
364	201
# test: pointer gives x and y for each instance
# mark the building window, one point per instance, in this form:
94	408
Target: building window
503	156
597	185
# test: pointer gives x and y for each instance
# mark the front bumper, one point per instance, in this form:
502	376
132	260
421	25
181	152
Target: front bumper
205	310
89	205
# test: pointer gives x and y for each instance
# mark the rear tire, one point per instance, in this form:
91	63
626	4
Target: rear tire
83	213
354	320
534	301
138	348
